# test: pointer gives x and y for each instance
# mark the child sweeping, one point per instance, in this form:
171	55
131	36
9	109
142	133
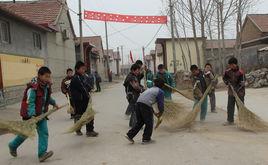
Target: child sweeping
200	84
80	88
36	99
144	111
65	87
235	77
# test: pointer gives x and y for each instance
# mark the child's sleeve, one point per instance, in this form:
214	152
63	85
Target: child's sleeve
31	96
160	101
52	101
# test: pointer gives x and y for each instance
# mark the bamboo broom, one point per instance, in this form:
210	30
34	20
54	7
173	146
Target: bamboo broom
25	128
87	117
70	109
247	120
186	95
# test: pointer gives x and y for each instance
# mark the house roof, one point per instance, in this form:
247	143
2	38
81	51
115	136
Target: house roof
213	44
260	21
161	40
43	13
95	41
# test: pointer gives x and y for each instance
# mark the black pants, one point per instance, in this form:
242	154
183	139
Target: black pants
144	115
89	126
80	107
98	87
231	107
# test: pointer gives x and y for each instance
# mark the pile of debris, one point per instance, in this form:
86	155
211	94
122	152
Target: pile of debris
257	78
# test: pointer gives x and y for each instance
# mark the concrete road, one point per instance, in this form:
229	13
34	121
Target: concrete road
209	144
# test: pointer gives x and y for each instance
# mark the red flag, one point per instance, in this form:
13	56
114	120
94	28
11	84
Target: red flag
131	57
101	16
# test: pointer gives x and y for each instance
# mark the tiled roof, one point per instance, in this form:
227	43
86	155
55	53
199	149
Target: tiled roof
260	20
213	44
42	13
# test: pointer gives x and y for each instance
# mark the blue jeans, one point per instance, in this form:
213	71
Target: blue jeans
204	108
42	131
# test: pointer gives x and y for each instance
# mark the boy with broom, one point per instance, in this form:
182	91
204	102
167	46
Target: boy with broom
80	88
133	90
200	83
168	79
65	87
235	77
145	112
36	99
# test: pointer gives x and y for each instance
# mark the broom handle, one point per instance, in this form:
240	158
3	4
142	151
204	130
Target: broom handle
235	95
41	117
175	89
207	91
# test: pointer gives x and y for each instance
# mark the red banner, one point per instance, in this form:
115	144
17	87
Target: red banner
100	16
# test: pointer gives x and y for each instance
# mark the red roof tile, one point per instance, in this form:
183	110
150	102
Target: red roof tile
260	20
43	12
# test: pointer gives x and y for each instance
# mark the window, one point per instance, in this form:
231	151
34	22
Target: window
37	40
4	32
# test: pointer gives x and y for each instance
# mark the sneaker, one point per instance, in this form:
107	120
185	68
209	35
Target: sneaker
45	156
228	123
12	152
129	139
92	134
144	142
79	133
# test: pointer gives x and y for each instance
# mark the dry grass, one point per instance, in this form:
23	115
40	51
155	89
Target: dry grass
247	120
70	109
87	116
186	93
24	128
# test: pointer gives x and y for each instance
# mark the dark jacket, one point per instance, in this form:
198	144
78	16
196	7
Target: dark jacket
236	78
65	85
200	84
80	89
132	92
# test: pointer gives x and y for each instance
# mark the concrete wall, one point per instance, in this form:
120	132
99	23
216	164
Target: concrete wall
212	57
61	53
252	59
179	54
15	69
22	40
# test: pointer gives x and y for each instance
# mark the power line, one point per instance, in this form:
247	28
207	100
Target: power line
153	36
126	37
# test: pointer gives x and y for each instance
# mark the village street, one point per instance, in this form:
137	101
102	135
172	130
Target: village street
208	143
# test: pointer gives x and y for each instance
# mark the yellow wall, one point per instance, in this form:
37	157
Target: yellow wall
179	54
18	70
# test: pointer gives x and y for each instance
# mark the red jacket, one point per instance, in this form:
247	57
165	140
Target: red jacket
38	101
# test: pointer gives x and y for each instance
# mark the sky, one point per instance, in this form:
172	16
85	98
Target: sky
136	36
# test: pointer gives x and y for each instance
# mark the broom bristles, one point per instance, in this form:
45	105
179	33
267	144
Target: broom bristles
24	128
187	120
247	120
87	117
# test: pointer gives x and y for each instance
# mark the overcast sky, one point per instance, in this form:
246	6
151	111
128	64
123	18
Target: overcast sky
137	35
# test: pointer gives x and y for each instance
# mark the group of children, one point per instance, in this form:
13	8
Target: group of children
232	77
77	87
141	100
37	98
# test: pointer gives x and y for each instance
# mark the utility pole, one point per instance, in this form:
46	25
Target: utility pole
107	51
172	35
143	55
122	72
81	32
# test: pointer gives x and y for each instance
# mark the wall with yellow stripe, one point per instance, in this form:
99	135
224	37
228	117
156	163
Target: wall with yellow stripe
18	70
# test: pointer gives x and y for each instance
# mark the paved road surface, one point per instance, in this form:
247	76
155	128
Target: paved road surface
209	144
